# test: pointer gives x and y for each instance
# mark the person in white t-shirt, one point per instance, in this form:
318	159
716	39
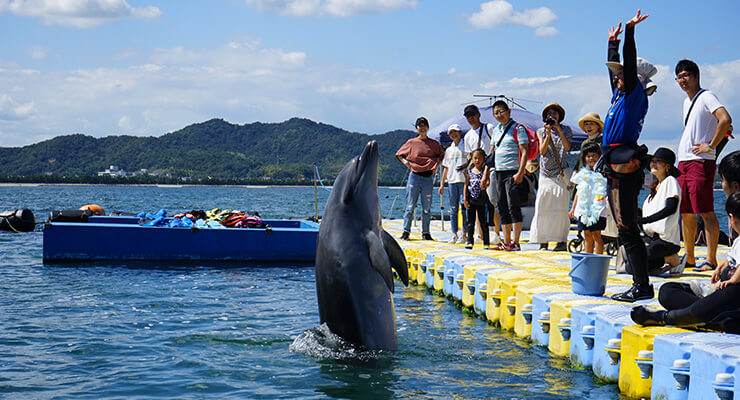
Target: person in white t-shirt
706	123
660	214
479	137
454	174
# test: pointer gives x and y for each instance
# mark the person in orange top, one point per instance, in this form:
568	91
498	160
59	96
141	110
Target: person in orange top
421	155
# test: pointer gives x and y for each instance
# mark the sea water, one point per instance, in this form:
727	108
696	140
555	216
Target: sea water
209	330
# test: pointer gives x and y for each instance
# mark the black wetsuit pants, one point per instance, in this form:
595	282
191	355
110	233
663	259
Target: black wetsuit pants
720	310
622	194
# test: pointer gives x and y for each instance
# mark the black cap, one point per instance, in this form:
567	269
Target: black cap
668	157
471	109
421	121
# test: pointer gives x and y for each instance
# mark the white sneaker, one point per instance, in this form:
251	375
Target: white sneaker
462	239
453	238
496	239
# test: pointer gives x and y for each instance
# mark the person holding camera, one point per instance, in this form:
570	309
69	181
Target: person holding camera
551	222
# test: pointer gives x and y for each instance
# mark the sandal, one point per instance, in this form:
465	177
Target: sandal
705	266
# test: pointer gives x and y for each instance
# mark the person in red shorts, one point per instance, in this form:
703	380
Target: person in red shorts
706	123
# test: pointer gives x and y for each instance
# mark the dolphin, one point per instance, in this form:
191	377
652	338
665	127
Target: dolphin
354	257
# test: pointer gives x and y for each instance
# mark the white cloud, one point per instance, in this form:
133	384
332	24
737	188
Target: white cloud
36	52
546	31
11	110
241	81
499	12
339	8
77	13
452	70
531	81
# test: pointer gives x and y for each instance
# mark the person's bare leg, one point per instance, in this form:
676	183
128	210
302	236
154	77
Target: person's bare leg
589	239
598	242
672	260
688	229
507	233
496	223
711	229
517	231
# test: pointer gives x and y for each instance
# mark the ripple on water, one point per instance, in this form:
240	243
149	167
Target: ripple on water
141	330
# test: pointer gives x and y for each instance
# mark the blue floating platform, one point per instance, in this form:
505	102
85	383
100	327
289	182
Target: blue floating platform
122	238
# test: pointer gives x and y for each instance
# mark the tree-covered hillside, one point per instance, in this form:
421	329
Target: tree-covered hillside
214	148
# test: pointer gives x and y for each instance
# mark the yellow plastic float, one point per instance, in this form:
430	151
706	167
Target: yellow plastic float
636	353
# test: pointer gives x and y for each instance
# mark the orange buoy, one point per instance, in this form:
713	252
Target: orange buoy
94	208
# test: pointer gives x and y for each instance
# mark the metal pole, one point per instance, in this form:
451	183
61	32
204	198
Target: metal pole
442	210
316	191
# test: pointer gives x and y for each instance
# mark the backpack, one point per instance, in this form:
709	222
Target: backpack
534	142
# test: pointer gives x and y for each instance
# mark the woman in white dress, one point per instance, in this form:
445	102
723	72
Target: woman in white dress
551	222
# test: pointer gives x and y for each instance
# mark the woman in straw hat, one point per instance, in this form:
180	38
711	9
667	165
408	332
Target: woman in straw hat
551	222
593	126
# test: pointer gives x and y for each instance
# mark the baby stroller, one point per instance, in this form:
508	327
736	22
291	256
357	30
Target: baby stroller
577	245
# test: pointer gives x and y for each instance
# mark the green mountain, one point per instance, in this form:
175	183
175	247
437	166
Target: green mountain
215	148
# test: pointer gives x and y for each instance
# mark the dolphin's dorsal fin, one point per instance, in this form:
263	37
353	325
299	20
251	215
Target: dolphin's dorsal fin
379	258
396	256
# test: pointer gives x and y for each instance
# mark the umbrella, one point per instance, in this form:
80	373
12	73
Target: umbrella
526	118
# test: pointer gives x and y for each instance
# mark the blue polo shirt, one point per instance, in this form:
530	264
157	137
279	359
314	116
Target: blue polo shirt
623	123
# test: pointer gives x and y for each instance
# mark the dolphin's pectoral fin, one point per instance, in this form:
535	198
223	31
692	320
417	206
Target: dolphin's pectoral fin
396	256
379	258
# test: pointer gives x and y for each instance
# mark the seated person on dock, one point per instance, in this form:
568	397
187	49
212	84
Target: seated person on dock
729	171
694	303
660	214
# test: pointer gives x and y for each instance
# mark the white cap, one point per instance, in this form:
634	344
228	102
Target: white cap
645	71
454	127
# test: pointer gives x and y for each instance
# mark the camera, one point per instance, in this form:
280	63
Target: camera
550	121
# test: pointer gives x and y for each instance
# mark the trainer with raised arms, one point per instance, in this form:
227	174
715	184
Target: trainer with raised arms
623	160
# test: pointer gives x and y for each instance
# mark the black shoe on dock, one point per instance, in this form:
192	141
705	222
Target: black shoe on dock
405	236
645	317
560	246
635	293
426	236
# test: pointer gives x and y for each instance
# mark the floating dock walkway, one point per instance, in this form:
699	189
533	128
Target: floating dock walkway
529	293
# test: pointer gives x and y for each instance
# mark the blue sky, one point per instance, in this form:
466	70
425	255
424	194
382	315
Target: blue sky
104	67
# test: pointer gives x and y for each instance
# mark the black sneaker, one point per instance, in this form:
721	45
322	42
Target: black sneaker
405	236
543	246
560	246
426	236
646	317
635	293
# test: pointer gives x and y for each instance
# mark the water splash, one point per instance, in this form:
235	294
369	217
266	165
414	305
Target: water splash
320	342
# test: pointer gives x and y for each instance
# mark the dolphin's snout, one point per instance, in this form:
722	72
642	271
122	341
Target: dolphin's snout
369	156
371	148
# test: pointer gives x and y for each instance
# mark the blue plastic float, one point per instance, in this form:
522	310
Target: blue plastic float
608	334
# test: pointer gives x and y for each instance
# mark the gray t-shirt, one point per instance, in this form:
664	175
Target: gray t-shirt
548	165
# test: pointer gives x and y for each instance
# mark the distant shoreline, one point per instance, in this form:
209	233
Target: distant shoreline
10	184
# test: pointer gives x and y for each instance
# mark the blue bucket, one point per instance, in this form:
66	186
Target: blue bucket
588	273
